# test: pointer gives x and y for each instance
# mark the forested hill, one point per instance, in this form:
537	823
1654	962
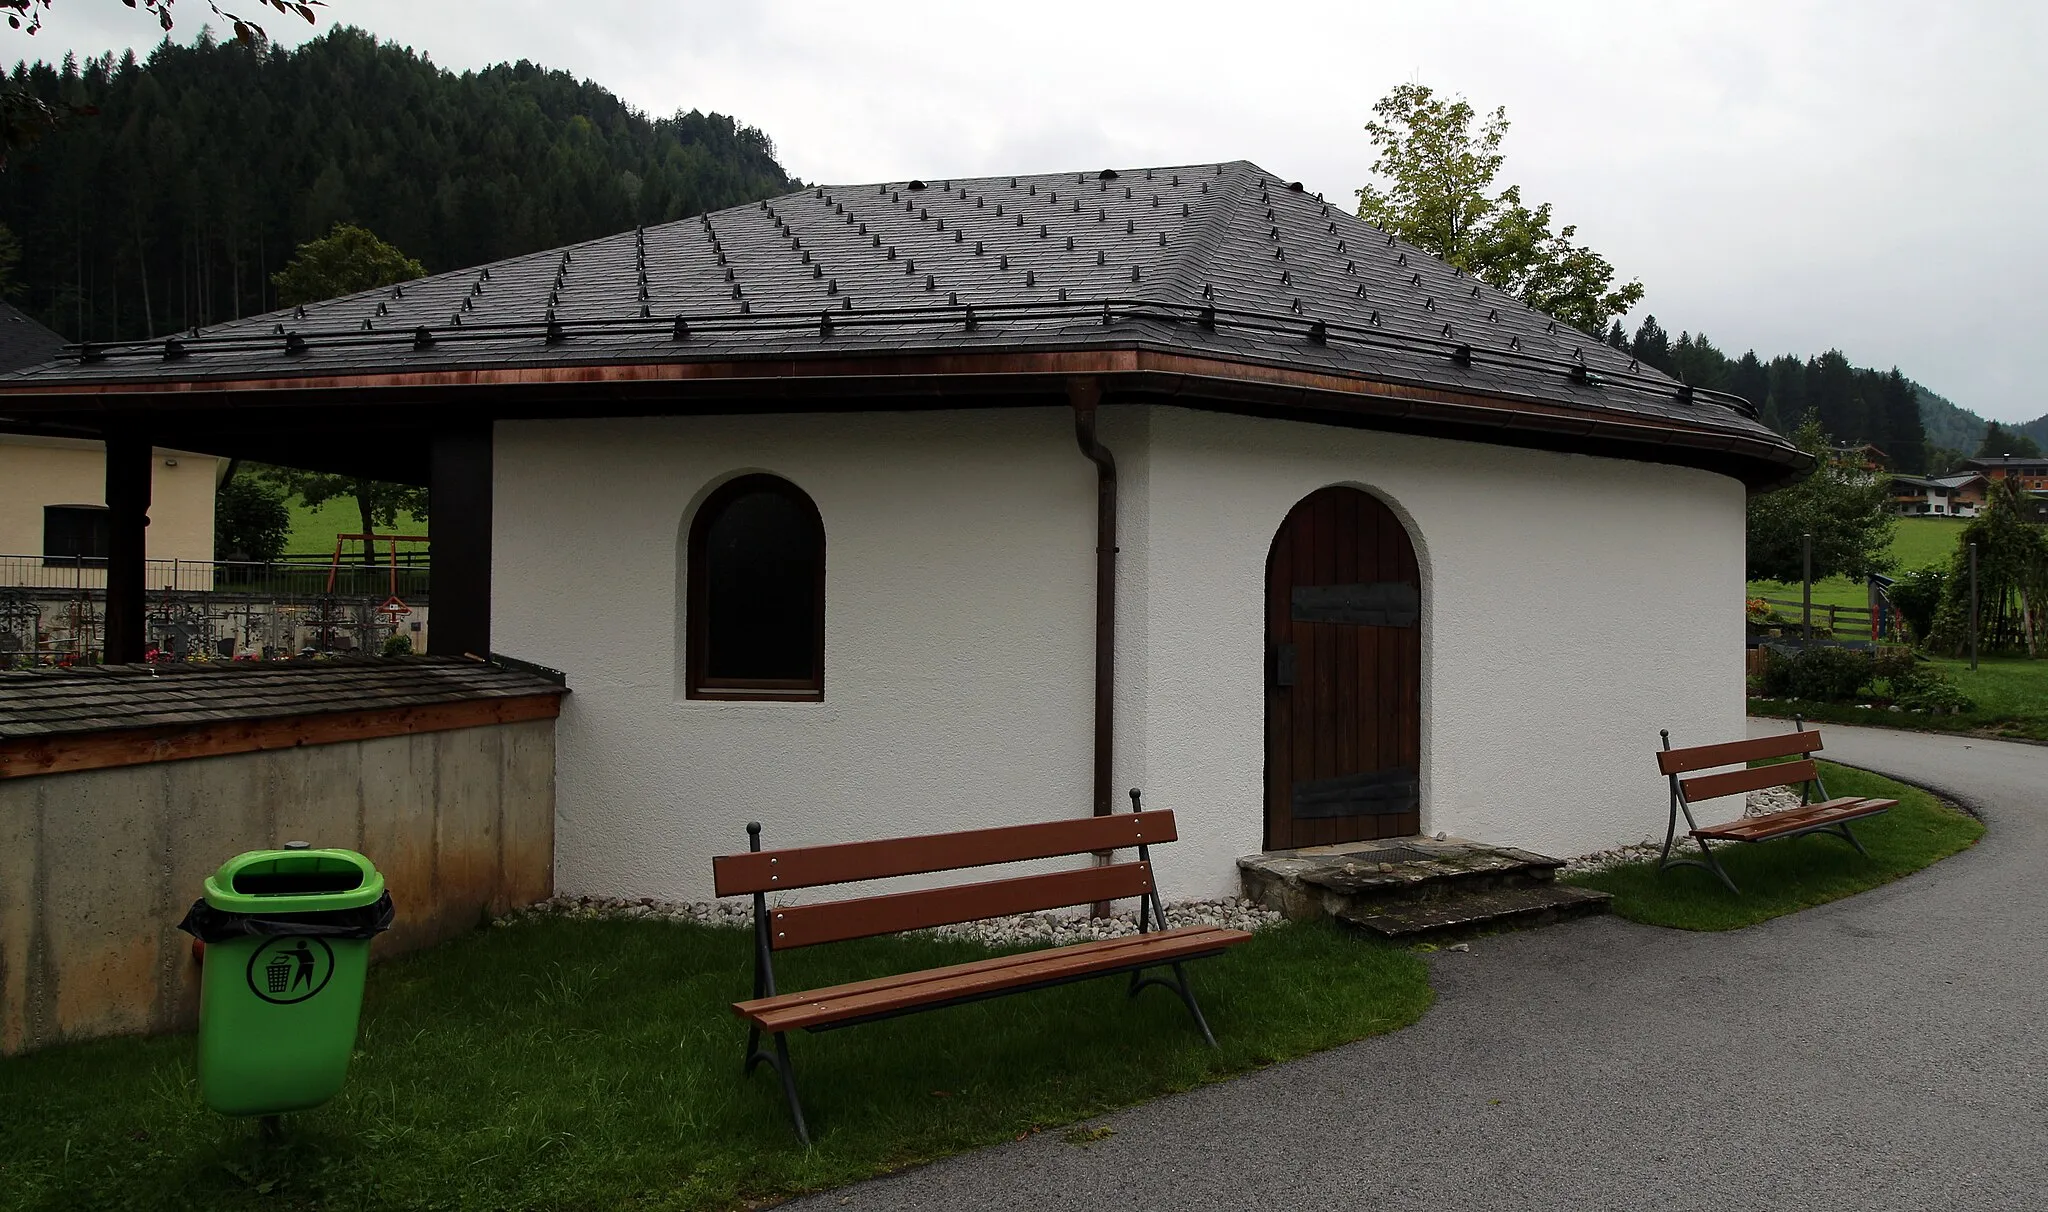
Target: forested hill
207	164
1918	430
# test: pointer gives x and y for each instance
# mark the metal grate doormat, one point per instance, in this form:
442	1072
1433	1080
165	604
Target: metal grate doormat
1392	854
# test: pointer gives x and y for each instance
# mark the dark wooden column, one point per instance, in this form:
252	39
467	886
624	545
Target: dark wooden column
459	496
129	464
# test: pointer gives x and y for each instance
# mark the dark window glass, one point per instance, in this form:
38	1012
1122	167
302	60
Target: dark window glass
74	532
758	567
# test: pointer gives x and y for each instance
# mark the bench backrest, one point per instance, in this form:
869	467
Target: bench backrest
1802	743
762	871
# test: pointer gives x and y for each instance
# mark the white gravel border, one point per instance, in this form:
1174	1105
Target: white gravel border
1050	928
1760	803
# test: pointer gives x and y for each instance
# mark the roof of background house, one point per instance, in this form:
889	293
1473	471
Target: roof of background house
2009	461
1223	262
1955	481
24	342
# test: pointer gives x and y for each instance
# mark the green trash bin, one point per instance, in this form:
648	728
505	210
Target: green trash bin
287	936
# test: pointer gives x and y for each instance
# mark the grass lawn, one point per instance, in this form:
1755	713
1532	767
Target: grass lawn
1917	542
1785	876
313	530
596	1065
2011	694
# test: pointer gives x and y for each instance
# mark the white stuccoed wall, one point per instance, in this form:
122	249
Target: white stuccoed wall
959	648
1572	606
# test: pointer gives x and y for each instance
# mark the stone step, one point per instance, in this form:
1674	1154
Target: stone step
1474	911
1328	881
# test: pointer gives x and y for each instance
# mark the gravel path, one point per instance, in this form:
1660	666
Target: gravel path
1885	1052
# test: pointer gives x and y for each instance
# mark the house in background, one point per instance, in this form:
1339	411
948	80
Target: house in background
1859	457
54	520
53	508
1957	496
921	506
2032	473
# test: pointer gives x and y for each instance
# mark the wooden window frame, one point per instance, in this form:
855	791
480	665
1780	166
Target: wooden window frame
697	684
79	560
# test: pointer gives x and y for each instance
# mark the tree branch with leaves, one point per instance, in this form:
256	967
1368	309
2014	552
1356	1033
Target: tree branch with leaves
1436	173
27	15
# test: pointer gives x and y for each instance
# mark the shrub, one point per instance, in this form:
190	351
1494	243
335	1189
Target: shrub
1819	674
1918	687
1892	664
1936	694
400	644
1916	596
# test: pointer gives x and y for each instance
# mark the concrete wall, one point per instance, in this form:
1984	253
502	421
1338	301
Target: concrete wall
36	471
1573	606
97	867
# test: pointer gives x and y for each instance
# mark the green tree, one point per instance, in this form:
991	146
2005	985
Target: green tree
1652	345
10	263
2012	579
2000	441
1847	511
1439	195
377	503
346	260
207	166
251	520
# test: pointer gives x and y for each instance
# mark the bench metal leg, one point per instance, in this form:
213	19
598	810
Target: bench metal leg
1179	984
1853	841
780	1060
1711	864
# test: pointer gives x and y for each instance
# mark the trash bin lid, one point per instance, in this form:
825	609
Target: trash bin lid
294	881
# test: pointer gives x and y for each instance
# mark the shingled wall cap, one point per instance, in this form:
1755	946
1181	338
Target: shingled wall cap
745	284
49	702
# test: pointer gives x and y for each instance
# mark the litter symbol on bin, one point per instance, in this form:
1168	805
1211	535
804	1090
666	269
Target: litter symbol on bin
285	971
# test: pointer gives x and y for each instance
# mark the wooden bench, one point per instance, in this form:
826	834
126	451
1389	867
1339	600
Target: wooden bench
760	872
1816	812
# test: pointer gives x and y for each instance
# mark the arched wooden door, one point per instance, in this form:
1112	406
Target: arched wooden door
1343	674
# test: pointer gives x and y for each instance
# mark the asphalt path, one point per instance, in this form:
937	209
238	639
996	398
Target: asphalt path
1883	1052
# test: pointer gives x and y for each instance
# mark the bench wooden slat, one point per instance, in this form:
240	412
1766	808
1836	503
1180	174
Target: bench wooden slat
833	921
1793	820
1701	757
848	862
819	1007
1714	786
804	997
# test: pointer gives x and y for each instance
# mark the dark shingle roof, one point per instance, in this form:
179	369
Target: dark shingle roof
50	702
24	342
1224	261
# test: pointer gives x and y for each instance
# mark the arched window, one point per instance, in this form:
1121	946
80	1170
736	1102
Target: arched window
756	611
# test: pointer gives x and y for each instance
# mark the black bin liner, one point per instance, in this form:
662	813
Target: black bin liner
211	925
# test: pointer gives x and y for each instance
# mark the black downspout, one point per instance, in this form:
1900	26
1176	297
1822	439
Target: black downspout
1084	395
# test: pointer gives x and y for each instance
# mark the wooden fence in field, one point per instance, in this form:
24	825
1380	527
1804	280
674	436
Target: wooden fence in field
1856	618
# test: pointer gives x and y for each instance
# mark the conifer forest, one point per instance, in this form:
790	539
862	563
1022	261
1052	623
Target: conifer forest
176	185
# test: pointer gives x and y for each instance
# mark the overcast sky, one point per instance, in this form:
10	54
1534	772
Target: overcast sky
1783	176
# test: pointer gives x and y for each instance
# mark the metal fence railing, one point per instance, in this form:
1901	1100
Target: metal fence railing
53	611
290	576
